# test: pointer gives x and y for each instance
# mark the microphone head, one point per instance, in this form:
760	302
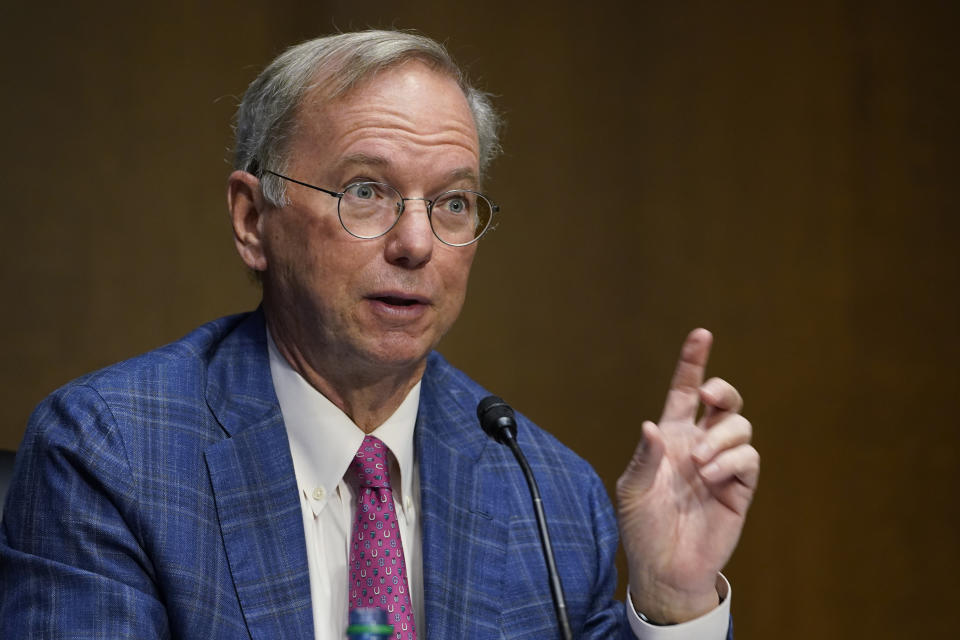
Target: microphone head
497	419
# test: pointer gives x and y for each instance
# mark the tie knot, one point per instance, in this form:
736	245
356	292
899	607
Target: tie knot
369	466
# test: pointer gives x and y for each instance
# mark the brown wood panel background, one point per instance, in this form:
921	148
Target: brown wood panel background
782	173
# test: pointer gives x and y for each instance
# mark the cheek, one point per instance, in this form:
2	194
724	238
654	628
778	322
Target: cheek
456	271
301	235
296	247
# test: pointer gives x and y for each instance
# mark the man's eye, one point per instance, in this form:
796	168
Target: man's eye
456	204
364	191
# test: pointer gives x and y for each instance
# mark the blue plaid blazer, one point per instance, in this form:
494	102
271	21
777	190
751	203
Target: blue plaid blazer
156	498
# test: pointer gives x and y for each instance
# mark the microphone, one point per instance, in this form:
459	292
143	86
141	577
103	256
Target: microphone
497	419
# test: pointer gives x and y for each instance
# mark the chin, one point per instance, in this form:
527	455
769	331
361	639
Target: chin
400	353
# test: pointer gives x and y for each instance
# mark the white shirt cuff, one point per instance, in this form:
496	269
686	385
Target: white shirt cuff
710	626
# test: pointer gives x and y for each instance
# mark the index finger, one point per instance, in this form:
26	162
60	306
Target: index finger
683	398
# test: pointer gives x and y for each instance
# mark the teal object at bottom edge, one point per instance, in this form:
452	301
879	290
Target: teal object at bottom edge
377	629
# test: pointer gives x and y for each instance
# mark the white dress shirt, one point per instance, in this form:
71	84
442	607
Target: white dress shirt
323	440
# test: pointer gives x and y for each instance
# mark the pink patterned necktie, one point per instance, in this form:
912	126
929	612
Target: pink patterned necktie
378	572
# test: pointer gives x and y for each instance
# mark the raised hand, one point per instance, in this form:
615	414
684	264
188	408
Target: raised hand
685	493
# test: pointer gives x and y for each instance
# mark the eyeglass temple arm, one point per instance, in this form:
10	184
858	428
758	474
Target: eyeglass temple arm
335	194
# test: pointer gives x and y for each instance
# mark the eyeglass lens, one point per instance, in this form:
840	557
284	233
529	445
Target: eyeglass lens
370	209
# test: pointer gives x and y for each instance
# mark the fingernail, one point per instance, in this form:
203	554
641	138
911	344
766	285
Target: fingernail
711	472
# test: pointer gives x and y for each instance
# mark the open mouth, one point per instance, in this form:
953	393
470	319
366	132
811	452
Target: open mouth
398	302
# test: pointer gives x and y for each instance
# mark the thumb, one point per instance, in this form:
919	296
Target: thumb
642	470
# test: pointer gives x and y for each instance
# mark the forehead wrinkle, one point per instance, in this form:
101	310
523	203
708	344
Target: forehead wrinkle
459	135
379	126
377	103
452	132
386	114
384	149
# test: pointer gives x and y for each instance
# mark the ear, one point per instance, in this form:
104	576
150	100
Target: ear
247	207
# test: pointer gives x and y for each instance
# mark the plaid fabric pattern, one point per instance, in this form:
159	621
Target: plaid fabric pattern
157	499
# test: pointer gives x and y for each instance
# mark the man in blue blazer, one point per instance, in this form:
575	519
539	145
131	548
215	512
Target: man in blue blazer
164	496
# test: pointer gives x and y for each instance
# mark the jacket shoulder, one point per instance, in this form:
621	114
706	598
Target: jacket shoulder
192	351
160	385
448	385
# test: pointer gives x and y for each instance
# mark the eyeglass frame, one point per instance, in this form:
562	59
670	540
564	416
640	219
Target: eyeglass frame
429	202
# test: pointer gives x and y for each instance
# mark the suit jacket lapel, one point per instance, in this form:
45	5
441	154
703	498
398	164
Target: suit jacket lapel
464	534
255	489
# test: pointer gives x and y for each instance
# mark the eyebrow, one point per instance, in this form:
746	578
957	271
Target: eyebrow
363	159
464	174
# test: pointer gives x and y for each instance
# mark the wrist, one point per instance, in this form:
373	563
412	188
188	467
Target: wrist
660	605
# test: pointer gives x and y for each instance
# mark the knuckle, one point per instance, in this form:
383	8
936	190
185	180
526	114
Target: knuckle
718	386
733	431
726	394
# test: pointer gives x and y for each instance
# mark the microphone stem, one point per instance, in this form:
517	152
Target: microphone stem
558	600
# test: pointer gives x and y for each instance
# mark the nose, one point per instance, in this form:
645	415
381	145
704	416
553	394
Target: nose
410	243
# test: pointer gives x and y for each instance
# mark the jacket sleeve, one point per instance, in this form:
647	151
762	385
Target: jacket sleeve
607	616
71	560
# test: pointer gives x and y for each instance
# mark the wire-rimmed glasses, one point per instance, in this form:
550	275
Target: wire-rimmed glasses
370	209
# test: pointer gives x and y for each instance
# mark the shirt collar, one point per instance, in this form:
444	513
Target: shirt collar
323	439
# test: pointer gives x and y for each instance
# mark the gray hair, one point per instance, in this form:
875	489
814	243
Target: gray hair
335	64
